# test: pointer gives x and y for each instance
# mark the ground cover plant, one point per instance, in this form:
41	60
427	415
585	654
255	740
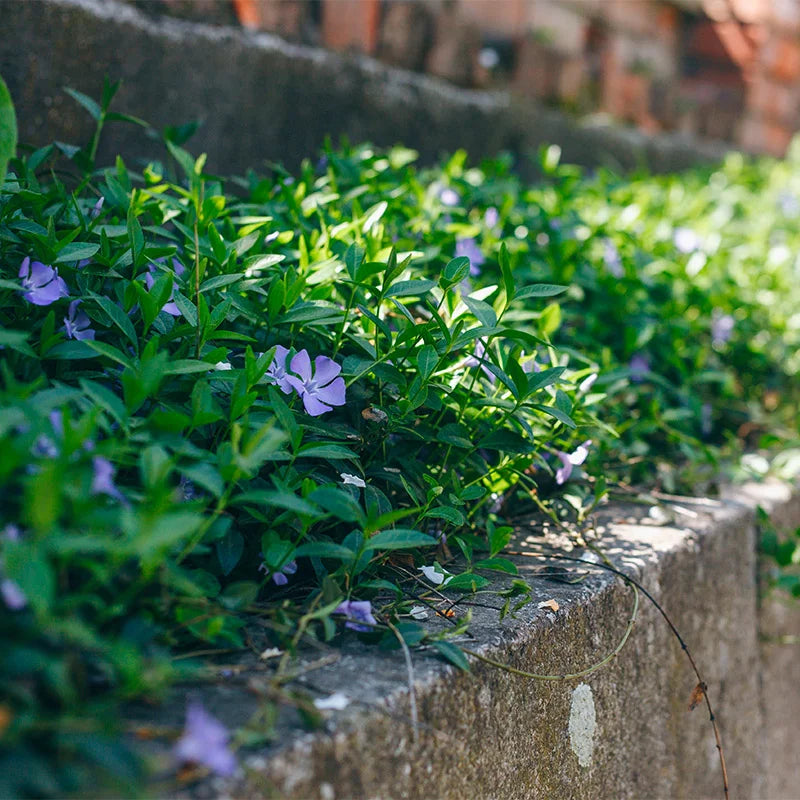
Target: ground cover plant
269	395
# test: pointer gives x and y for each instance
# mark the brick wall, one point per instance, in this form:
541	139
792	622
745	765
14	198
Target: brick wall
727	69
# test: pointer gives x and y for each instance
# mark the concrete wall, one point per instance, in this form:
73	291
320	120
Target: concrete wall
489	734
263	99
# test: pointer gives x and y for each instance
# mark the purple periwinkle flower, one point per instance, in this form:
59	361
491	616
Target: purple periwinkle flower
205	741
789	204
449	197
612	259
97	208
281	577
491	217
103	478
41	283
706	419
722	326
13	596
76	323
686	240
357	612
321	390
479	359
469	248
570	460
150	278
277	369
639	366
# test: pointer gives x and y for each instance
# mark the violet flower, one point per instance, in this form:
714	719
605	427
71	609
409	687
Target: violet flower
103	478
686	240
479	359
281	577
97	208
277	369
449	197
722	326
491	217
570	460
639	366
41	283
320	391
13	596
76	323
205	741
612	259
470	249
149	279
357	613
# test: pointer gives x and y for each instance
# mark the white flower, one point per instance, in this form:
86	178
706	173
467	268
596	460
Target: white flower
352	480
335	702
436	575
587	383
223	365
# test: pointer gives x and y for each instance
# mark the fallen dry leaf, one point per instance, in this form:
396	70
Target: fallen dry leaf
551	604
696	696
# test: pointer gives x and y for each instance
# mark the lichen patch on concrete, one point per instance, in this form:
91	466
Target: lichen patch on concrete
582	723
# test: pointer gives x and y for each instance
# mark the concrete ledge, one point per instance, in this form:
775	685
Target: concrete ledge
263	99
489	734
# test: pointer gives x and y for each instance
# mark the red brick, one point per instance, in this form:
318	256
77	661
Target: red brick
505	17
761	136
781	58
406	34
456	45
774	101
351	24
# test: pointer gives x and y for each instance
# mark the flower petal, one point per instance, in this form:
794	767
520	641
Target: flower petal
313	406
334	392
301	364
325	370
25	267
563	472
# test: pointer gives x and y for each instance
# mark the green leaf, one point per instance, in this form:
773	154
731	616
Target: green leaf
427	359
483	312
229	550
456	270
220	281
547	377
8	130
339	503
106	399
415	288
541	290
557	413
274	499
373	216
455	655
119	318
508	277
497	564
76	251
452	515
467	582
399	539
325	550
90	105
16	340
334	452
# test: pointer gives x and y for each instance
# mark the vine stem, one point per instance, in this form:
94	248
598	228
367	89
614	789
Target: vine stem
572	675
701	684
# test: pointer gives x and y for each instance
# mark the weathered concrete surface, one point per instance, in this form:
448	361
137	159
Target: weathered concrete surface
263	99
623	732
